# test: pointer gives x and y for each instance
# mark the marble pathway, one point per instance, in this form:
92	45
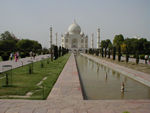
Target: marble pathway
66	97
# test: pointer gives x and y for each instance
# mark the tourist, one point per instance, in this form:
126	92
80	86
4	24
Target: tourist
146	58
16	57
11	56
31	54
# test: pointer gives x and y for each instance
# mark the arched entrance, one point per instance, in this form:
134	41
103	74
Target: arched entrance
74	43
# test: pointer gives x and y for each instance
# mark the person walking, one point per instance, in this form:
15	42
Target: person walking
31	54
146	58
11	56
16	57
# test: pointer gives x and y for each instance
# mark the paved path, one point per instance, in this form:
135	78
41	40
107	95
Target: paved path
66	97
123	58
20	62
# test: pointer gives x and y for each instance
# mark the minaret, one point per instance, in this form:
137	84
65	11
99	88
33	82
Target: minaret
98	38
51	50
92	41
56	39
50	36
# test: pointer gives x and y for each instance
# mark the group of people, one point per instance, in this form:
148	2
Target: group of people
14	55
147	58
32	55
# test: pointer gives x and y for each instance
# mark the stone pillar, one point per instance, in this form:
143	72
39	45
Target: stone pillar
92	41
98	38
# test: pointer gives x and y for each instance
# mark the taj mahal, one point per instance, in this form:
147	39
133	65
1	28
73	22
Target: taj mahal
75	39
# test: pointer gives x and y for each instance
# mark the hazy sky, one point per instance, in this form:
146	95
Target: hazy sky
32	18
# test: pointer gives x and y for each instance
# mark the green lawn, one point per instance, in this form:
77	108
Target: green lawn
24	82
0	58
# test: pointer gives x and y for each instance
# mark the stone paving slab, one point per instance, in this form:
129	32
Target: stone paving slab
66	97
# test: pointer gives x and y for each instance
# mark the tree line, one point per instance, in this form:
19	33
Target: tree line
9	43
134	47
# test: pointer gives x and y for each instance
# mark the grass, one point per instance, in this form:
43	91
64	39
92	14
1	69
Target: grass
0	58
139	67
24	82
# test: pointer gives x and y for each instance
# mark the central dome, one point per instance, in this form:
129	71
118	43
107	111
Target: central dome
74	28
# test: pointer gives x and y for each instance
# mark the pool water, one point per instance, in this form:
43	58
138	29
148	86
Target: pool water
100	82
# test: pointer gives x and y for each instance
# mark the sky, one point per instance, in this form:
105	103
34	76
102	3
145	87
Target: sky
31	19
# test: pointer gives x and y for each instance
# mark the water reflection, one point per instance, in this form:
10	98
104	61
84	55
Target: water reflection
100	82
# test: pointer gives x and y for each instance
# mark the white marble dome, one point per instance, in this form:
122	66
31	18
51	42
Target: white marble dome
74	28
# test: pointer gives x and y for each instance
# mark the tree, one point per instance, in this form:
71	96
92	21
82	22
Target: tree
127	54
97	52
45	50
55	52
118	40
102	52
114	53
147	47
7	45
8	36
123	48
119	53
110	47
59	51
28	45
141	43
137	57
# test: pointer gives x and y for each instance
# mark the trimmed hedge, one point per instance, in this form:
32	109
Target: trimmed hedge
5	56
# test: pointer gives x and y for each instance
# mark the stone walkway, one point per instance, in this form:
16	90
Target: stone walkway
20	62
66	97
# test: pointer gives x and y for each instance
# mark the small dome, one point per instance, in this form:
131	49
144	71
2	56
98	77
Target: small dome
82	34
74	28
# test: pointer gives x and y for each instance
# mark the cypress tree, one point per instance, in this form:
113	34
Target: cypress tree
127	54
137	57
119	53
102	52
114	53
59	51
55	52
109	53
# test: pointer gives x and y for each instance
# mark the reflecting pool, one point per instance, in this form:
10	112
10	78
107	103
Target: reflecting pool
100	82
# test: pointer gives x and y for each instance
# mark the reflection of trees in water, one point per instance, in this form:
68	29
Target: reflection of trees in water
125	79
104	68
122	95
106	77
97	68
118	75
113	72
108	70
92	64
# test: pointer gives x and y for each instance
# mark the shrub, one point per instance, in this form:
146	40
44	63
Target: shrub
137	58
142	56
5	56
24	54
